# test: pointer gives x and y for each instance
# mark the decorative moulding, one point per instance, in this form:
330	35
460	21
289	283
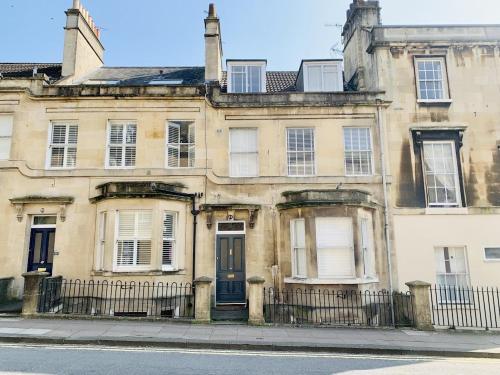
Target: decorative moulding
19	203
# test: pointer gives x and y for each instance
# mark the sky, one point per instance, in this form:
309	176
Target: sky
170	32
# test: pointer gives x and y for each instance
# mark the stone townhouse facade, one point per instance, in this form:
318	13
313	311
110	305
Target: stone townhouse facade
443	137
309	179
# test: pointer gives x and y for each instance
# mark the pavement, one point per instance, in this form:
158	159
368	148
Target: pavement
167	334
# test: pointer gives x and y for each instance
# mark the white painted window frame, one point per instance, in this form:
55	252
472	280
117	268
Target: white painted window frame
484	254
293	249
372	166
33	225
246	64
48	156
458	202
351	247
133	268
8	137
305	74
444	80
124	123
101	240
315	167
168	143
466	274
230	152
173	240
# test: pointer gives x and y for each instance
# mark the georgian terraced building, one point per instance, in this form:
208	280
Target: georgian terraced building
359	174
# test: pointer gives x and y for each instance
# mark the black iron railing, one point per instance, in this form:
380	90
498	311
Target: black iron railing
116	298
472	307
338	307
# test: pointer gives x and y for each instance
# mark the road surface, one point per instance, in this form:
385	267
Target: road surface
42	359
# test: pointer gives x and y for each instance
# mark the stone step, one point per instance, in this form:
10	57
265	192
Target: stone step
229	313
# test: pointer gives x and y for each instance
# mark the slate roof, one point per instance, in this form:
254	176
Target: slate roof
52	70
143	75
276	81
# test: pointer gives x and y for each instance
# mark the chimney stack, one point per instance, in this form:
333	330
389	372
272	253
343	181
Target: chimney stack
213	47
83	51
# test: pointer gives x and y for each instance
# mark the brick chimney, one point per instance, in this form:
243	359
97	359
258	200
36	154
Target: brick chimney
213	47
83	51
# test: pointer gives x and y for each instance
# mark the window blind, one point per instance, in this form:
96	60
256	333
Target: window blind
243	152
6	124
168	247
134	238
334	244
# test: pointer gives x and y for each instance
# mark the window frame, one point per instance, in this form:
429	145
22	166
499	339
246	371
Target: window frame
173	266
246	63
322	64
10	117
132	268
368	249
372	160
102	226
444	81
484	254
442	300
314	172
293	249
351	248
167	144
456	177
65	145
123	123
230	152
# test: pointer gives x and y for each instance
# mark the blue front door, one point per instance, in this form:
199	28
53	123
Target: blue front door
230	262
41	250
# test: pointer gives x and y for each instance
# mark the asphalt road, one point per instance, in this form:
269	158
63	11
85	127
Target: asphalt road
30	359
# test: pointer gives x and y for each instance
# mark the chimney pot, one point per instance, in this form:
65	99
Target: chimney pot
211	10
76	4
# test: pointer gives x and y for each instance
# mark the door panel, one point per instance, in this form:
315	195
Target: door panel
230	269
41	251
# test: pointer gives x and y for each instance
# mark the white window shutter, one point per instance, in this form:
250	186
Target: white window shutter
334	244
168	248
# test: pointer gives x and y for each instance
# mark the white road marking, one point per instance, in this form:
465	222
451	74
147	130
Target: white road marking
396	358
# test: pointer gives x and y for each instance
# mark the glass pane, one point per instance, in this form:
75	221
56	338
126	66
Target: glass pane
116	134
314	78
492	253
59	134
57	157
237	254
37	247
299	233
254	79
115	156
232	226
224	254
44	220
50	250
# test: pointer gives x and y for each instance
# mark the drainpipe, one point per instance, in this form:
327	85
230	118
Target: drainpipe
195	213
388	246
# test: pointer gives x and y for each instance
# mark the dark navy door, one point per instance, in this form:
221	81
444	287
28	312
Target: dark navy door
41	251
230	263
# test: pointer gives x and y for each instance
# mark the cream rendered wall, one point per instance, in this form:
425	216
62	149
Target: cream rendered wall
416	237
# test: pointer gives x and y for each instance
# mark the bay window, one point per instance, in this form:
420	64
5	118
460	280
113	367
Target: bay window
298	240
134	240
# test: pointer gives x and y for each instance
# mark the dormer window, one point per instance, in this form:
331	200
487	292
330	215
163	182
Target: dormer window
321	76
246	76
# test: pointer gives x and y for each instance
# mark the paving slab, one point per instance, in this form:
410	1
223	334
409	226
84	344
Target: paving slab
215	336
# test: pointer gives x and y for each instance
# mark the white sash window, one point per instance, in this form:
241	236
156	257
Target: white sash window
62	147
298	241
168	245
180	144
122	139
133	245
243	153
6	122
357	151
334	245
300	151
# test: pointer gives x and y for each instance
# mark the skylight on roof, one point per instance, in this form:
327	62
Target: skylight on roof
101	82
166	82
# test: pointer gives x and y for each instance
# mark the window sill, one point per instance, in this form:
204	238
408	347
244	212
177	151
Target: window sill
446	211
117	273
440	102
342	281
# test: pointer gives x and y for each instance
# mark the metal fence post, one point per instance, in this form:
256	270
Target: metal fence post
31	293
420	291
